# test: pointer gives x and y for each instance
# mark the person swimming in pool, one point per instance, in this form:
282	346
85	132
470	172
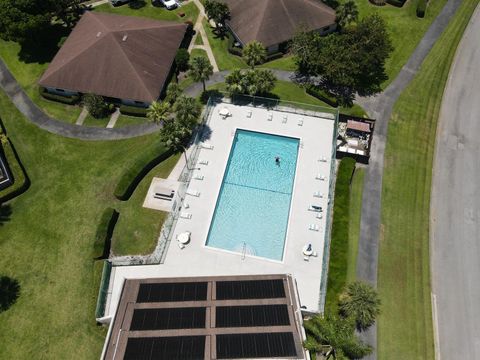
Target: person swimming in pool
277	160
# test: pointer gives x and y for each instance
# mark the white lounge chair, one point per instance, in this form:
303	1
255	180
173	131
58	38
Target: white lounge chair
193	193
181	246
270	117
313	227
300	122
199	177
315	208
306	258
323	159
203	162
318	194
185	215
319	215
249	114
207	146
314	254
284	119
320	177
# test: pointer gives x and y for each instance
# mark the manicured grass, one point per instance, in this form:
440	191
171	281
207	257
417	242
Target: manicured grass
405	324
225	60
286	63
91	121
47	244
405	28
138	228
356	193
198	53
198	39
126	120
339	245
159	13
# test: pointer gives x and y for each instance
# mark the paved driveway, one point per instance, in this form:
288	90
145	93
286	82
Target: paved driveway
455	210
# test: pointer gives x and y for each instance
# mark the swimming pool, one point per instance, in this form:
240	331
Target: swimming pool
253	205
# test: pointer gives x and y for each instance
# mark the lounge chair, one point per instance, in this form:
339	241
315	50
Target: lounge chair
284	119
185	215
300	122
314	254
207	146
270	117
313	227
249	114
315	208
193	193
319	215
203	162
320	177
198	177
181	246
306	258
323	159
318	194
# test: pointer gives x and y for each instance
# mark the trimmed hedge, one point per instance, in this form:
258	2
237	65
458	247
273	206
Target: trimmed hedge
322	95
397	3
337	267
20	178
103	236
133	110
132	177
421	8
69	100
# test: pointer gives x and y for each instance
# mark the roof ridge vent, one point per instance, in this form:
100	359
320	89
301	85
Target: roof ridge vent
125	37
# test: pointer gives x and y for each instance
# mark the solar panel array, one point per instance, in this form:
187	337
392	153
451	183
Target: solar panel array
249	316
171	348
259	345
250	289
166	292
168	318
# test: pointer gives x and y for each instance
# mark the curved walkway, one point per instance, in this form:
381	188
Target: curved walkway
455	207
380	108
33	113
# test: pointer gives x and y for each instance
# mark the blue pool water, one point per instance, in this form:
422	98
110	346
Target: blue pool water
254	201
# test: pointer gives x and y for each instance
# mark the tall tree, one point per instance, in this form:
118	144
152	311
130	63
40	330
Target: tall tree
250	82
360	301
173	92
200	70
347	13
158	112
218	12
254	53
334	337
187	111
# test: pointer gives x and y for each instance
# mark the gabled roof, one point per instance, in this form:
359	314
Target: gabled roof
275	21
116	56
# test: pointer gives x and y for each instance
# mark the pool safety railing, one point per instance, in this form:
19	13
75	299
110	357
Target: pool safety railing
103	290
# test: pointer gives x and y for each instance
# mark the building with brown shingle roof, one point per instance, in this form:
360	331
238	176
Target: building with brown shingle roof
122	57
274	22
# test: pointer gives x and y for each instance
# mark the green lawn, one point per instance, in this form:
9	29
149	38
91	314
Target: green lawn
127	120
91	121
48	242
198	53
286	63
198	39
356	193
405	324
405	28
138	228
159	13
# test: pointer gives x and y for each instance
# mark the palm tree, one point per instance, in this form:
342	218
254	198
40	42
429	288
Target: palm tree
254	53
347	13
266	80
173	92
200	69
234	82
158	112
360	301
334	337
187	111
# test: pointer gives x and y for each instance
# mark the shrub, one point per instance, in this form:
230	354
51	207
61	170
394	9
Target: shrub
231	48
69	100
137	171
133	110
103	236
322	95
397	3
378	2
360	302
20	179
421	8
96	105
181	59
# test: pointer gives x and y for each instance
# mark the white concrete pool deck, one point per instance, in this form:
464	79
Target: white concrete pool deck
316	135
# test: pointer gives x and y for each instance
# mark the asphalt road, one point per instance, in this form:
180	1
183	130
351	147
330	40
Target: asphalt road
455	206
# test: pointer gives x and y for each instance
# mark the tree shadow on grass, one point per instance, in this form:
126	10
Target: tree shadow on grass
9	292
5	213
44	46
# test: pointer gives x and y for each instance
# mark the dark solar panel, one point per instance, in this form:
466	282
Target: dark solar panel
168	348
244	346
261	315
193	291
168	318
250	289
